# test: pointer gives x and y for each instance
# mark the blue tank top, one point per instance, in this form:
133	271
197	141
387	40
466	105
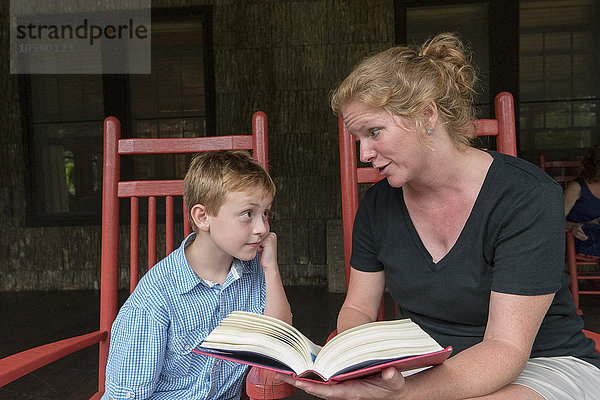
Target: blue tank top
587	206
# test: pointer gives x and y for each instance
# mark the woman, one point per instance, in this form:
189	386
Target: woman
469	243
582	205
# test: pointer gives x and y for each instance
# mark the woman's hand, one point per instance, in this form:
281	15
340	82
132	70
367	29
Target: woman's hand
576	230
389	384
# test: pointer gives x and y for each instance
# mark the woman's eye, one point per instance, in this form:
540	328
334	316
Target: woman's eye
374	132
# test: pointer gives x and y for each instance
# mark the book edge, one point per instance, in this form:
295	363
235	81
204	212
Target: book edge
404	364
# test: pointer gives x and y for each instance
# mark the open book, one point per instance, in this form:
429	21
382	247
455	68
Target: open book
267	342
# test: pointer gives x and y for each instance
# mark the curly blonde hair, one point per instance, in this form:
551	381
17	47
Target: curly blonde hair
405	80
591	165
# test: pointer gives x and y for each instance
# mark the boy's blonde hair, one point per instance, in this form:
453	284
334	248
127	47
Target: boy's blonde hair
405	80
213	175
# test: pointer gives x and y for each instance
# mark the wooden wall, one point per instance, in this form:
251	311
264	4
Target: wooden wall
282	57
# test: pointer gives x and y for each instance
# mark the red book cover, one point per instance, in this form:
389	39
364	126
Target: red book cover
356	371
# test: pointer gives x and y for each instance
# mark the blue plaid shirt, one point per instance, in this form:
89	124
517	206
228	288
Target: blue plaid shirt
170	313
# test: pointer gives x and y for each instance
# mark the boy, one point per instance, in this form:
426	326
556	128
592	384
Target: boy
228	263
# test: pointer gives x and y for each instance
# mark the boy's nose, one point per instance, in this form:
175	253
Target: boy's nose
261	226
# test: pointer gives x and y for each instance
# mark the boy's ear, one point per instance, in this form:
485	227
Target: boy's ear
200	217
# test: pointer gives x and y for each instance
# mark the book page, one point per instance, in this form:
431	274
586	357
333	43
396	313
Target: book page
248	332
272	325
372	343
246	344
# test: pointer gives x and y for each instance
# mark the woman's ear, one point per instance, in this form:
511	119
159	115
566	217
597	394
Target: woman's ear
430	116
200	217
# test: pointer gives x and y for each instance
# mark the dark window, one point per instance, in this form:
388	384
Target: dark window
63	116
559	78
544	52
470	20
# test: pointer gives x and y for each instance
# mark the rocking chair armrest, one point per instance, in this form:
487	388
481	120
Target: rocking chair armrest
20	364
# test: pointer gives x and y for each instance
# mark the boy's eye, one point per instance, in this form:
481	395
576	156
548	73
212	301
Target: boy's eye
247	214
266	214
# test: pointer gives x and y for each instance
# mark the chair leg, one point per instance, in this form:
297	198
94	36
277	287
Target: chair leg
574	287
572	263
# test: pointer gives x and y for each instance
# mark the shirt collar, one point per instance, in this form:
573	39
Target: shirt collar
186	279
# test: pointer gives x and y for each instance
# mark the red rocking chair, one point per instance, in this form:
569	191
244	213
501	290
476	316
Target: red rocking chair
260	383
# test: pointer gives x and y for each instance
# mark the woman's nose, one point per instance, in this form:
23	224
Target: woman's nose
367	154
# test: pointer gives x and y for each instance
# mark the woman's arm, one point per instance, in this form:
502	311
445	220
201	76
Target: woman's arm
363	298
485	368
571	195
491	365
276	302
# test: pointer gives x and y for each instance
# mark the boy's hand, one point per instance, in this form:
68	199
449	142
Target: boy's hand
268	251
276	304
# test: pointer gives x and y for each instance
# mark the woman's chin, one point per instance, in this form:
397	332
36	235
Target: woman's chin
395	182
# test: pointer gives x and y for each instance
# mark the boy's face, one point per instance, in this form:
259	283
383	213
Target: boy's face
241	223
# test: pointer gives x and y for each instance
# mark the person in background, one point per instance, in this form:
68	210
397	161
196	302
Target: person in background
228	262
470	243
582	205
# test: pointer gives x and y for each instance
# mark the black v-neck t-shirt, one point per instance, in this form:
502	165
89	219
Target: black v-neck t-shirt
512	242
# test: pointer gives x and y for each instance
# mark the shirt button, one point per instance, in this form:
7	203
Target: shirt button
128	395
186	347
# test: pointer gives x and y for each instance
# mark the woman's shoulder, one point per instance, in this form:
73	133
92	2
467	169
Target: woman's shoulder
575	186
514	179
517	171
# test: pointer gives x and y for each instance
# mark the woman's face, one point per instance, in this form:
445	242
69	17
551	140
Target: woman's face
385	142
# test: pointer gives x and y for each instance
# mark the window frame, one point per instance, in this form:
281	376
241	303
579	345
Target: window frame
116	102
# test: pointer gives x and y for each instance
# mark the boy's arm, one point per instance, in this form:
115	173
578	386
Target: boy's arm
137	350
276	304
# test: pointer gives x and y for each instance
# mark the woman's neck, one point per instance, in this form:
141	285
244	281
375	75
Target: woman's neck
448	173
